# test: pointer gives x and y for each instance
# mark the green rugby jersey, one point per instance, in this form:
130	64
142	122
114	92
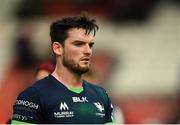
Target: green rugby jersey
49	101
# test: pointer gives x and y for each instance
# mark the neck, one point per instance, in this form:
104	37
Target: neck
67	77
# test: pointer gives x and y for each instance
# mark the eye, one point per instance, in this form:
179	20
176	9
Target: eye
91	45
78	44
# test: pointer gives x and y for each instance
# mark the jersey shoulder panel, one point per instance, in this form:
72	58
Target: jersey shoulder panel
27	106
98	89
42	83
107	102
95	87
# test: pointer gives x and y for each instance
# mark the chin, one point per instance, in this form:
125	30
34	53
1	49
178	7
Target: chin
82	70
85	68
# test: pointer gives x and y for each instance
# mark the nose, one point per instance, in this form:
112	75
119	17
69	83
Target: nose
88	50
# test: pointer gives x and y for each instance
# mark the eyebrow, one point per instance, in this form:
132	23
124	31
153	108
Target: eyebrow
76	41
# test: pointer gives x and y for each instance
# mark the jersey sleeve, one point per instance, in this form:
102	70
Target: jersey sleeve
27	107
107	105
109	110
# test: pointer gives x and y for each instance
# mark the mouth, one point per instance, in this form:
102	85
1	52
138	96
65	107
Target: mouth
85	59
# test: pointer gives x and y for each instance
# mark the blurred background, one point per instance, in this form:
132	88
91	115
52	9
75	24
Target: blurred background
136	53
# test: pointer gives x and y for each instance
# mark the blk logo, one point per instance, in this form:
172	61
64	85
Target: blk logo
63	106
79	99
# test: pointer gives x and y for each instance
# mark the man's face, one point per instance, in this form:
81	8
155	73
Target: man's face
77	51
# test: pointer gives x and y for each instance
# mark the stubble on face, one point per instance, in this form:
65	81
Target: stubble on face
74	67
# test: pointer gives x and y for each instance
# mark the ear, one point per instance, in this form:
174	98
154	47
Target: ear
57	48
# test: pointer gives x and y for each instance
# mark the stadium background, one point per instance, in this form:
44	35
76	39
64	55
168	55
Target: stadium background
137	52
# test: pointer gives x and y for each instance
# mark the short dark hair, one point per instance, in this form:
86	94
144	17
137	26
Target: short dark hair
59	29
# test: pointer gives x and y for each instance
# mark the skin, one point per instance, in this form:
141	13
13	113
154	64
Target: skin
73	59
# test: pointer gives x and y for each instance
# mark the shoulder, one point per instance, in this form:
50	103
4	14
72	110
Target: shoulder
34	90
42	83
100	92
98	89
93	86
33	95
30	92
28	99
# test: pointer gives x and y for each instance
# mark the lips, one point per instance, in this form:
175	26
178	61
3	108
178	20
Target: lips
85	59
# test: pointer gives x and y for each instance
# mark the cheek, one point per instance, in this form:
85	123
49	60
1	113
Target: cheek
72	55
75	52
